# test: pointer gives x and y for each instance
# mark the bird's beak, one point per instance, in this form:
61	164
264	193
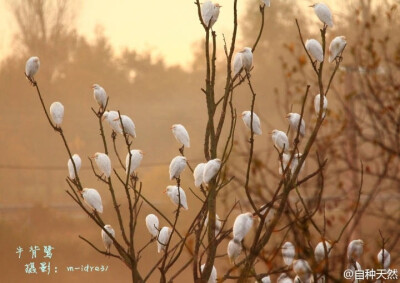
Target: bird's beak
165	191
287	116
270	133
142	152
171	128
93	156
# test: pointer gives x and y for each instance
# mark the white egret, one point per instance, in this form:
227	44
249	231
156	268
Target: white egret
293	164
234	249
242	225
57	113
128	125
315	49
211	169
177	165
280	140
100	95
247	58
323	13
136	159
303	270
210	13
288	253
246	117
112	117
31	67
152	223
267	3
78	164
270	216
237	63
317	103
93	199
319	252
265	279
384	259
213	275
107	241
294	119
198	174
163	238
284	278
356	266
174	195
218	224
181	135
336	47
355	250
103	162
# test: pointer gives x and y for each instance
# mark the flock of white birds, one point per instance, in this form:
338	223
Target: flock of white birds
205	172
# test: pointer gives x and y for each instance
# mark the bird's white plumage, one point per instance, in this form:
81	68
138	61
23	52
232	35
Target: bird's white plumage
323	13
177	165
210	13
163	238
284	278
319	252
107	241
218	224
353	267
136	159
265	279
78	164
336	47
100	95
198	174
280	140
315	49
294	119
211	169
355	250
288	253
267	3
93	199
384	258
57	113
31	67
237	63
213	275
174	195
128	126
246	117
303	270
294	163
181	134
234	249
317	103
103	162
152	223
247	58
242	225
270	216
112	117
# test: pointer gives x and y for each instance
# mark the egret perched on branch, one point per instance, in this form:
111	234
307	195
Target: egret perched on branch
103	162
213	275
317	103
136	159
31	67
93	199
247	58
107	241
198	174
280	140
57	113
323	13
315	49
267	3
234	249
319	252
210	13
284	278
288	253
152	223
270	216
218	224
177	165
336	47
246	117
384	259
112	117
355	250
100	95
242	225
294	119
303	270
174	195
163	238
211	169
237	63
78	163
181	135
128	125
